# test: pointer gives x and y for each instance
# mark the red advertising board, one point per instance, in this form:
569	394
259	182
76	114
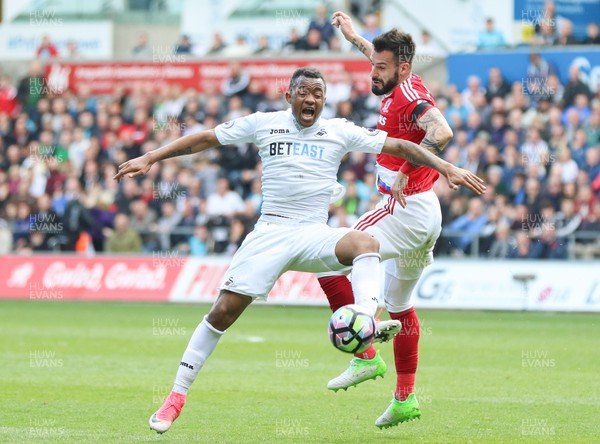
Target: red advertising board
204	76
72	277
161	278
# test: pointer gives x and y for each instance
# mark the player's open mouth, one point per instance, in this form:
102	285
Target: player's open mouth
308	113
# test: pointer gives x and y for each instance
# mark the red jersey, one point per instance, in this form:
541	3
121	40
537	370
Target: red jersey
399	113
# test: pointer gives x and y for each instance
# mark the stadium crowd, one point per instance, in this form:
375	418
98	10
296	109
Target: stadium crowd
536	142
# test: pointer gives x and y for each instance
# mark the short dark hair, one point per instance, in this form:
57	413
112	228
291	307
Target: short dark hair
311	73
401	44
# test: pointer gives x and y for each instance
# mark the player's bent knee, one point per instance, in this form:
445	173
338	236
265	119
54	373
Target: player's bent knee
365	243
354	244
227	308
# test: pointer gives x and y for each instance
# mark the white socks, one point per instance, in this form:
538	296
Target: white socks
365	281
201	345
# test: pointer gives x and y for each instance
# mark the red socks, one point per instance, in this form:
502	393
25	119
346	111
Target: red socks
338	290
406	352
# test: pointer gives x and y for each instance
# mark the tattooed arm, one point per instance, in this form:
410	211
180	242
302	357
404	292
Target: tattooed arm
344	23
190	144
414	154
418	155
437	130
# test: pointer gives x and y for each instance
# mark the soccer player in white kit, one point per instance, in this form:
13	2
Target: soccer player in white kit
301	154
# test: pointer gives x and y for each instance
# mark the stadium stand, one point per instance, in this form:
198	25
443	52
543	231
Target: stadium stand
539	152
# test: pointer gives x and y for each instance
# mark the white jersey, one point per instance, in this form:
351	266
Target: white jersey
300	164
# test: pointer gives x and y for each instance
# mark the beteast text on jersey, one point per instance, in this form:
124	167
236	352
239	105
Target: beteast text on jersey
299	149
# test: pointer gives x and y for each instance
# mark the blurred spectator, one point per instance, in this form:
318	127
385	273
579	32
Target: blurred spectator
470	224
77	219
240	48
142	49
551	246
322	23
32	87
314	41
335	44
524	248
224	201
218	44
592	127
264	47
547	18
198	243
372	29
166	224
545	35
497	85
501	245
428	46
184	45
538	72
589	247
473	89
574	87
47	49
490	38
237	233
123	239
254	95
72	51
592	37
565	34
580	106
294	42
8	96
535	151
237	82
567	219
592	162
143	221
567	166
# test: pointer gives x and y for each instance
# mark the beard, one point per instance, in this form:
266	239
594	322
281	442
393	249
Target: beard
387	87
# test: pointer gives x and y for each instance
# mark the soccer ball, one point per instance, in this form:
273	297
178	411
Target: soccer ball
351	329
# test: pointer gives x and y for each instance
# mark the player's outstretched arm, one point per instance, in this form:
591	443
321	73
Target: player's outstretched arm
437	131
343	22
417	155
190	144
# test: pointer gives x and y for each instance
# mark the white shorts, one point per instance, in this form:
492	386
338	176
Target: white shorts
406	238
276	246
406	235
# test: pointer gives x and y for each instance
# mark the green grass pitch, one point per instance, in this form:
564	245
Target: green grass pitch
74	372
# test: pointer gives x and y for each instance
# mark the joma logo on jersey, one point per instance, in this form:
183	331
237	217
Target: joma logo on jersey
280	131
296	149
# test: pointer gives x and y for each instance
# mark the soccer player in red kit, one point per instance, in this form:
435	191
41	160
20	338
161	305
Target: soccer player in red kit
407	221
